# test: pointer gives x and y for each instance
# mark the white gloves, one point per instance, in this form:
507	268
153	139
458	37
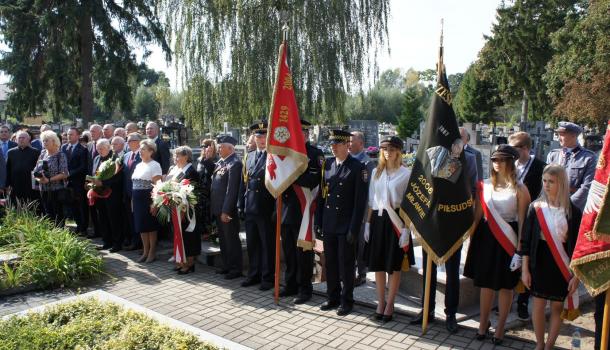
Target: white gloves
515	263
367	232
403	241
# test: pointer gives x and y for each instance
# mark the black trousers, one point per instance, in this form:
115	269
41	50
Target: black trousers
260	239
299	262
115	227
452	292
101	221
131	236
361	259
599	319
88	211
51	207
230	245
77	208
340	258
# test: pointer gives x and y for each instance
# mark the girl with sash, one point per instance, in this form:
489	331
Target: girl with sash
549	237
492	261
389	241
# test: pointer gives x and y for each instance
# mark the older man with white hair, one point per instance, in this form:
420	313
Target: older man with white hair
162	155
121	132
19	164
131	127
108	131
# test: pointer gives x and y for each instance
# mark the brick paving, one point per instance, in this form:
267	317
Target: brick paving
250	317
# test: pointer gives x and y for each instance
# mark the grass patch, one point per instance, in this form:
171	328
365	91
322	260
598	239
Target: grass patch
92	324
49	255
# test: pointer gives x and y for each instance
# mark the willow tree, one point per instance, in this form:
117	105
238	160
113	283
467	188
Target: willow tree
226	50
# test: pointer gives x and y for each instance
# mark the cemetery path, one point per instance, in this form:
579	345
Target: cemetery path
248	316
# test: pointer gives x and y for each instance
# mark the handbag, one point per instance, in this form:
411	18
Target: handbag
64	195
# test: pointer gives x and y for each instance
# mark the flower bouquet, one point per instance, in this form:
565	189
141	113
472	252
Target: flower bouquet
171	199
105	171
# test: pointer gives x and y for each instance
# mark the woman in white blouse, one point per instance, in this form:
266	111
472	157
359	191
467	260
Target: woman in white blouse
384	230
144	176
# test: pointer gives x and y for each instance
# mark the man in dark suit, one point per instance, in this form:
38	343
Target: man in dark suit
226	180
162	155
452	265
96	133
256	205
5	142
130	160
299	261
465	135
77	156
529	171
20	162
339	216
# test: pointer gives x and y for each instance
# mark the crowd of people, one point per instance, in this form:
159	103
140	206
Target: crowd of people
356	199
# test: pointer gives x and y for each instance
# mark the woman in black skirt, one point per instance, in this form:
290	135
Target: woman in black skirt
183	169
492	261
540	272
388	184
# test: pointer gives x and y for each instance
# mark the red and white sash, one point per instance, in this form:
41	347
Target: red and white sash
308	200
397	223
179	253
560	256
502	231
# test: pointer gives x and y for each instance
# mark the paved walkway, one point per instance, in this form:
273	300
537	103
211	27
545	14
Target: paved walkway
249	316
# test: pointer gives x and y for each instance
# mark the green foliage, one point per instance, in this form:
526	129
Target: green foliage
333	45
413	111
146	105
49	255
478	97
578	76
95	325
59	50
518	50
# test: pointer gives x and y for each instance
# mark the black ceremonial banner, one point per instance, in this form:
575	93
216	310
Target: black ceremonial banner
438	200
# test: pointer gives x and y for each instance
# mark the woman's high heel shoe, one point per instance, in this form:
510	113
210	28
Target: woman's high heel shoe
379	316
142	258
483	336
189	270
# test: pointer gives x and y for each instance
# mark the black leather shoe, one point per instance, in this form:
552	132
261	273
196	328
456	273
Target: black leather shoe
497	341
344	310
265	286
232	275
221	272
189	270
451	324
250	282
284	292
420	318
302	299
329	305
360	280
387	318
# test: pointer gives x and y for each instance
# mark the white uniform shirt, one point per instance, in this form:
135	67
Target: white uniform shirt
388	188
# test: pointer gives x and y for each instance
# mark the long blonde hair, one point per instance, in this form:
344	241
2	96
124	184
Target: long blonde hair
563	193
382	164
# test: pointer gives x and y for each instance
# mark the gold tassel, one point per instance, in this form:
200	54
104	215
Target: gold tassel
570	315
520	288
405	263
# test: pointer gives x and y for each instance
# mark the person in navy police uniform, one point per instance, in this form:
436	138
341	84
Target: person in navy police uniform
256	206
339	217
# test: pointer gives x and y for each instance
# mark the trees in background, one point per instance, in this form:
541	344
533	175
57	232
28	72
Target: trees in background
478	97
64	55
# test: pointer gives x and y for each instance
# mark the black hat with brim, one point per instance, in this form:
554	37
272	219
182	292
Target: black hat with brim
259	128
505	151
226	139
393	141
339	136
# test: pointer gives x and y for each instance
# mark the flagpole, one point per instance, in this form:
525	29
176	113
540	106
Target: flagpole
424	324
278	229
606	323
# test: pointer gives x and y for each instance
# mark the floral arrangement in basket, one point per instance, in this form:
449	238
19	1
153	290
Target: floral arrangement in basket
105	171
172	199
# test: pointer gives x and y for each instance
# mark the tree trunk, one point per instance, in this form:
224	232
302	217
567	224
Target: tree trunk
86	59
524	108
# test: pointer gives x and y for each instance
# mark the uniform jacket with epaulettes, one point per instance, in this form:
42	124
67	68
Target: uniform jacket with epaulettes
254	198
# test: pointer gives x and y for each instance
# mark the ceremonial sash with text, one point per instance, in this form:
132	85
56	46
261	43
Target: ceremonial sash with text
570	305
502	231
308	201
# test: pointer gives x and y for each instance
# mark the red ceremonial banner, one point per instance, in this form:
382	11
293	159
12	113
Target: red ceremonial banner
591	257
286	152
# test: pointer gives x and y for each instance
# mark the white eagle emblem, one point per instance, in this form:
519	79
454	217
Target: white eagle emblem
281	134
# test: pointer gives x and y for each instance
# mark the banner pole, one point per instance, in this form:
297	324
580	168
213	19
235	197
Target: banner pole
606	323
278	228
424	324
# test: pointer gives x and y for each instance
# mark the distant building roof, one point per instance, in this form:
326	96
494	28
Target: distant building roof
4	90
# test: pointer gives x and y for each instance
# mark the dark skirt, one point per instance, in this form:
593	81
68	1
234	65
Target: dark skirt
487	262
547	280
143	221
384	254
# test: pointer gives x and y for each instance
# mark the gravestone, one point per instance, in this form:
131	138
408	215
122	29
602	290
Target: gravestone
370	128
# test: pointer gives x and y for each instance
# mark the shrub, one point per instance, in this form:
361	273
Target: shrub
92	324
49	255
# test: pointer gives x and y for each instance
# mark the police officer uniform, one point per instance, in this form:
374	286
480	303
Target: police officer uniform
256	204
299	262
339	216
224	195
579	162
